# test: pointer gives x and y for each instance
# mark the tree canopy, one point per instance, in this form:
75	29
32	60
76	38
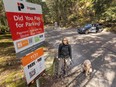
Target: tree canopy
72	12
80	11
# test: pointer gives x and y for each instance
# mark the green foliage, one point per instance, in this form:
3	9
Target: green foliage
3	22
59	10
103	7
81	11
112	29
69	12
110	13
3	29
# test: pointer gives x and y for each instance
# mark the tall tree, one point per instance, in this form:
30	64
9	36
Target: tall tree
60	10
2	14
100	6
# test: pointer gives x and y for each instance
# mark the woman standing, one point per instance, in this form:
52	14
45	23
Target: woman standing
64	56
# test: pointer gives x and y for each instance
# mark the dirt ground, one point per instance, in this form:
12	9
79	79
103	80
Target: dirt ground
99	48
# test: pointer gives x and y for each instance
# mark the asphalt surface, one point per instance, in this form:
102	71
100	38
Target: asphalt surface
99	48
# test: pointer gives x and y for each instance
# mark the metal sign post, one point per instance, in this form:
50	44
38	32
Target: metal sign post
27	36
37	83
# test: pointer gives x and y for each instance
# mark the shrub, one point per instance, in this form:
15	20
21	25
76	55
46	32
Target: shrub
3	29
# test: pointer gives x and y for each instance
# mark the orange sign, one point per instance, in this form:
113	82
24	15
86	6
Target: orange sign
22	44
32	56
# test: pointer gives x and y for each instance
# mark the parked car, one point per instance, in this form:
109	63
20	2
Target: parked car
89	28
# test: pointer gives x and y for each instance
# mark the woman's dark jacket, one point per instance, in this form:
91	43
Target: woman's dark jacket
64	51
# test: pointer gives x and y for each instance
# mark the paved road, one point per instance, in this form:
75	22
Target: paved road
100	48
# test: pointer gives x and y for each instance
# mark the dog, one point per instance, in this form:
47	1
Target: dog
87	67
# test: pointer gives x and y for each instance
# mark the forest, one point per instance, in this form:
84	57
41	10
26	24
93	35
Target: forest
72	12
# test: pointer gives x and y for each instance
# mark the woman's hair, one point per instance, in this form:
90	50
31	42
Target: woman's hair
65	39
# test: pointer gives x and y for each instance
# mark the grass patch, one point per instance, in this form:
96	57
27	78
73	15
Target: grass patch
1	69
11	76
4	36
13	79
112	29
0	37
49	70
49	65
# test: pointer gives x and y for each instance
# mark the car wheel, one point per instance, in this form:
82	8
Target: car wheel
86	32
96	31
78	32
